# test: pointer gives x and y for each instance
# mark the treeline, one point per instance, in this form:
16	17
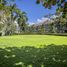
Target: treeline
54	25
50	26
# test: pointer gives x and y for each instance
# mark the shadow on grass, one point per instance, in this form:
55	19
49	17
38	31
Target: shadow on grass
49	56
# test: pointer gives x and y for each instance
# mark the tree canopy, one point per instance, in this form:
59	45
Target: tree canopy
12	13
62	5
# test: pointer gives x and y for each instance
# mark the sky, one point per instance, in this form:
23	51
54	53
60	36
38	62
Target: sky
34	11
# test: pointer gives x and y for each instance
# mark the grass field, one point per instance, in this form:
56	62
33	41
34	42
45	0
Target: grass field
13	54
31	40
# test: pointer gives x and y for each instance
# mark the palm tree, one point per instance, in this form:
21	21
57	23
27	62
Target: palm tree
22	19
12	14
5	17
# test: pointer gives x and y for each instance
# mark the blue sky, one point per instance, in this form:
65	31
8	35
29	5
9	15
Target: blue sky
34	11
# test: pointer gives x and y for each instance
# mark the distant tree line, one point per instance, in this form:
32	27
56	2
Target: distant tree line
54	25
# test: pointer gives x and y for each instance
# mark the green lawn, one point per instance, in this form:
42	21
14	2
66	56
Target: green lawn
50	56
31	40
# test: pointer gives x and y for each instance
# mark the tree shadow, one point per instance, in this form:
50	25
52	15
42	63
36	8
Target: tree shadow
48	56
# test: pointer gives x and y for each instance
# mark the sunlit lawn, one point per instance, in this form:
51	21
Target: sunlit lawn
31	40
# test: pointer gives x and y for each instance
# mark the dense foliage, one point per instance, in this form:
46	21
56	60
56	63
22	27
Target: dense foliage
62	5
52	25
10	17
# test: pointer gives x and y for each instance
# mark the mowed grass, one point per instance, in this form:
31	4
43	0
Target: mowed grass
31	40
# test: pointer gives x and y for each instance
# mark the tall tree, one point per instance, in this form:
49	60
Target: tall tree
12	13
22	19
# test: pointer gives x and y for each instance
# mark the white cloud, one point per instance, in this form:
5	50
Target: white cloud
31	23
39	20
42	19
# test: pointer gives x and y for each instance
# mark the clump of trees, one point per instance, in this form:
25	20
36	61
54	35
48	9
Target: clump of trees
10	17
54	25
